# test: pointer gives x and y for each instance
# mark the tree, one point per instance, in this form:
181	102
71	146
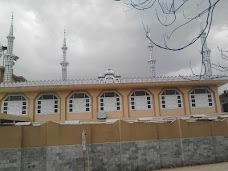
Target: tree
224	56
169	12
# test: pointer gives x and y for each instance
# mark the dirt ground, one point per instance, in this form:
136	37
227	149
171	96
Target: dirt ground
209	167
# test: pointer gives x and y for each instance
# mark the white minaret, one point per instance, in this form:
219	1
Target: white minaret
64	63
206	54
151	60
9	57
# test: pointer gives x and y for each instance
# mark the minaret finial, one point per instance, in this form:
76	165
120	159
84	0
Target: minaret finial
11	26
64	63
151	60
64	40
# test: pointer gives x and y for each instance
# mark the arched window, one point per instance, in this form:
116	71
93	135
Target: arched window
109	101
79	102
201	97
171	99
140	100
47	104
15	105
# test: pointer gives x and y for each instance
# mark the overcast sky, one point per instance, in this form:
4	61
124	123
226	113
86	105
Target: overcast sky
100	34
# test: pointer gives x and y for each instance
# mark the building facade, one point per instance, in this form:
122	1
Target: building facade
128	98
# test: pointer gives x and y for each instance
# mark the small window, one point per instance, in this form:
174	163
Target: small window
109	94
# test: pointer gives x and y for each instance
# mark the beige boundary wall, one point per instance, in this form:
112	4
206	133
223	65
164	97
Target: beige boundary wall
53	134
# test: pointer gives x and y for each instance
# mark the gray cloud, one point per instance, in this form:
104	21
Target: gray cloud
100	34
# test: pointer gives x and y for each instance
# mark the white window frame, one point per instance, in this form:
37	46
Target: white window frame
144	99
55	103
195	96
175	97
24	104
72	101
116	99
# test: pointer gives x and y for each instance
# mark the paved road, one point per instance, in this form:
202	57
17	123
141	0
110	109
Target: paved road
209	167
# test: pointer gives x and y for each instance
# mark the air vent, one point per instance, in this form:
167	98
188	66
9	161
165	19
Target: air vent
101	115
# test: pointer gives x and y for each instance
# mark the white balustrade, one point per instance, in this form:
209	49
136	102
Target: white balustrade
122	80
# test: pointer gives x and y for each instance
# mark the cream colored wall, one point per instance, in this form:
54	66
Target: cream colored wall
94	92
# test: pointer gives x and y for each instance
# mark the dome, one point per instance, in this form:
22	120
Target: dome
109	71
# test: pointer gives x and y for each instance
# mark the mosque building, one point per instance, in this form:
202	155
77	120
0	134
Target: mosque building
109	96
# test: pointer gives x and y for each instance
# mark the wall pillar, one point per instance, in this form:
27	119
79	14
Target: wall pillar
63	102
216	99
156	100
31	104
186	102
2	95
125	102
95	103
